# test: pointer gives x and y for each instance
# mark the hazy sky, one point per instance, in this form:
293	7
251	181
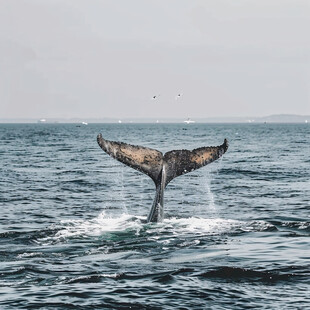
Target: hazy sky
98	58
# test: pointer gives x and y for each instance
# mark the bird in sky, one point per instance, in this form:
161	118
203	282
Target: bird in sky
178	96
155	97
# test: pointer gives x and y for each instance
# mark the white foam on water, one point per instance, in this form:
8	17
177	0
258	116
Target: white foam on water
103	223
194	225
29	255
106	224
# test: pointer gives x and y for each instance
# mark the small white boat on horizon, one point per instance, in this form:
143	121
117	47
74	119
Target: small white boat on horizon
84	123
188	121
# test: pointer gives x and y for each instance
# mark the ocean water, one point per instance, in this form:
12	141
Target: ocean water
73	232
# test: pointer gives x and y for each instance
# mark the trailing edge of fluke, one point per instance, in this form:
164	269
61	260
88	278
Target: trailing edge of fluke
161	168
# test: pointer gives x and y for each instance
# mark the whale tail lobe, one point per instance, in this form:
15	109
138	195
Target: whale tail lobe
143	159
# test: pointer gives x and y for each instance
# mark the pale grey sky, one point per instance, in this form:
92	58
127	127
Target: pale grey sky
99	58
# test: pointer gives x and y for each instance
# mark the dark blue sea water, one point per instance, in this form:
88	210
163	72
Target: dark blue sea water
235	233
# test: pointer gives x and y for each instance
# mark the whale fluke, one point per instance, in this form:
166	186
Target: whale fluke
180	162
143	159
162	169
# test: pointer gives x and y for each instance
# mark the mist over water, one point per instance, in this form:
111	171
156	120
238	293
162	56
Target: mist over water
73	232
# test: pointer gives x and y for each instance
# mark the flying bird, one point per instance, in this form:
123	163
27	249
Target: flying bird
178	96
155	97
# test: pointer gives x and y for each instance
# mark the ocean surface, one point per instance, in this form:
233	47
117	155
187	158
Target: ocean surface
73	232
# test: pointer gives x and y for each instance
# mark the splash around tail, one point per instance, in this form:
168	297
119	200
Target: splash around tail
162	169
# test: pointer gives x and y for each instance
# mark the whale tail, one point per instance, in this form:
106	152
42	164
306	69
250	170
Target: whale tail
162	169
151	161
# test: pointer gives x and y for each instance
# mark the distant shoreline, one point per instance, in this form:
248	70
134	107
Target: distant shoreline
279	118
